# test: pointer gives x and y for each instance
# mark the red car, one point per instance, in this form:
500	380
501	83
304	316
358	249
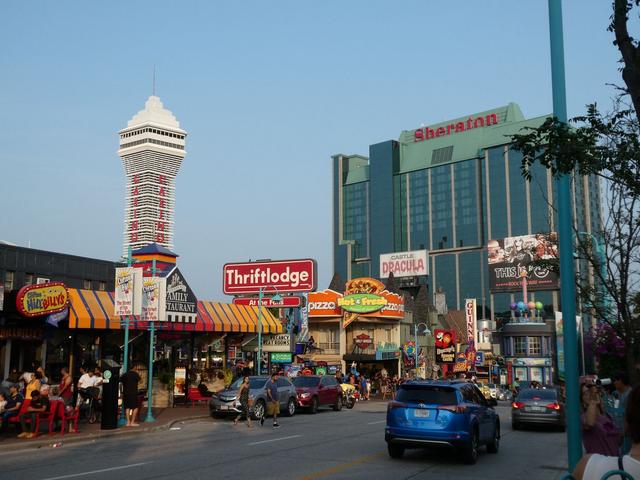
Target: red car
318	390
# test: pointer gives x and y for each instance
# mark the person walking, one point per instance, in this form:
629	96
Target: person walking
130	382
594	466
243	395
273	405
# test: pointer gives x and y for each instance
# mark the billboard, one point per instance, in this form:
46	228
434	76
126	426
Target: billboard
271	276
510	256
404	264
128	295
43	299
154	291
470	320
445	346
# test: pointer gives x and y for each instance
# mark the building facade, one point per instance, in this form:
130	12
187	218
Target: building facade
449	189
151	148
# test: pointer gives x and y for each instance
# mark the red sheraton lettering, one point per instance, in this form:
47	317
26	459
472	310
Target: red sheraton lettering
427	133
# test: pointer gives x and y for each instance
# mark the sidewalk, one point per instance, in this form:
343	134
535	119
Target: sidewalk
165	418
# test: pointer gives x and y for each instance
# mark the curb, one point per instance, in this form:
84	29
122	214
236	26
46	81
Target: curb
44	440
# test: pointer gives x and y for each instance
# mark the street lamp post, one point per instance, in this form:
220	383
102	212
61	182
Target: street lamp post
415	336
125	363
276	298
567	273
152	333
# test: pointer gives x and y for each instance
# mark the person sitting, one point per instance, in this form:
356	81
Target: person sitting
203	389
594	466
39	404
12	408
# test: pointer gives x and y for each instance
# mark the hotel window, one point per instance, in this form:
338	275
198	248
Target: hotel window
28	278
520	345
8	281
102	286
86	284
535	346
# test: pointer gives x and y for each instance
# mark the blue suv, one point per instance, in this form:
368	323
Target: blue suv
441	413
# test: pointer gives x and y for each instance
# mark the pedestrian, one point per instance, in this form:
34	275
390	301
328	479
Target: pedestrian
363	387
621	384
273	403
12	408
594	466
65	389
245	401
599	433
130	396
39	404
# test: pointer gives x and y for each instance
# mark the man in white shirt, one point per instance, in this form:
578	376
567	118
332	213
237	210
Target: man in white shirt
87	379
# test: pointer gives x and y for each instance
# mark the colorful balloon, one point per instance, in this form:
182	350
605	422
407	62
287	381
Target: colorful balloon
521	305
531	305
539	306
513	306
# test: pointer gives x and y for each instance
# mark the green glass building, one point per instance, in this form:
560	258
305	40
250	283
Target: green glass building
449	188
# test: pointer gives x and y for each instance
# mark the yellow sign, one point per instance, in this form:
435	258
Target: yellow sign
42	299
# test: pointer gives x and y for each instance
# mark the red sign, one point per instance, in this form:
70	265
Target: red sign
285	302
363	341
274	276
42	299
444	338
426	133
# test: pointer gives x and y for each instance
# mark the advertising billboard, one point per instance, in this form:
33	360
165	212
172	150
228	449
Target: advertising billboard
43	299
128	295
445	346
154	291
510	256
271	276
470	320
404	264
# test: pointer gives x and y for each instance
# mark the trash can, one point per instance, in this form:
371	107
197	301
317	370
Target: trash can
110	388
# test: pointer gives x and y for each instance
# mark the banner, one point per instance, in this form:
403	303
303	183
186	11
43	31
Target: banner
128	294
154	299
445	346
509	256
404	264
560	341
470	320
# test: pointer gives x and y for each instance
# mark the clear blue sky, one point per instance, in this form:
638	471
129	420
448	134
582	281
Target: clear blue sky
268	91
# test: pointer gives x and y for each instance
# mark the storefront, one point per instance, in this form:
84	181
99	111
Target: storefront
531	369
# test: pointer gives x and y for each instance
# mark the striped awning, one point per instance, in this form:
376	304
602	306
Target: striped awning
94	309
225	317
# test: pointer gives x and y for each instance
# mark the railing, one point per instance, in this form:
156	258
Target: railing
329	347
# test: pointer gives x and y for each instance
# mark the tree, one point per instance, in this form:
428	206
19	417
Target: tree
607	145
629	49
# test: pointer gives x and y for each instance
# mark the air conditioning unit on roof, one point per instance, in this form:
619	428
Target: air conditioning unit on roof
40	280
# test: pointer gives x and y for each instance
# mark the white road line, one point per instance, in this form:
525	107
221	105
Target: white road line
122	467
266	441
375	423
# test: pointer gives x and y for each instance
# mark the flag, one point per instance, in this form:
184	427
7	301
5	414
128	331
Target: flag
55	318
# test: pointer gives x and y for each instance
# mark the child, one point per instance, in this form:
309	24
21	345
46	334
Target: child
3	402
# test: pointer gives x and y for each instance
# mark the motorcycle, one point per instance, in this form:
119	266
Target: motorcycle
348	395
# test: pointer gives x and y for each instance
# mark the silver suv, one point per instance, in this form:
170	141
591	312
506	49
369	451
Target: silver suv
227	402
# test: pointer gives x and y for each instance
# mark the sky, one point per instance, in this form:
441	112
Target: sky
268	92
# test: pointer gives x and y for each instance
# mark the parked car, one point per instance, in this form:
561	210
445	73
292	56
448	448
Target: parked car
538	406
493	390
227	402
505	394
439	413
316	391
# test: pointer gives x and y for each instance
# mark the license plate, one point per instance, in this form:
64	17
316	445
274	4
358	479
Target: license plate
537	409
421	413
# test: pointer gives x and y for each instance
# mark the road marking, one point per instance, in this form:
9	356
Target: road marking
375	423
122	467
274	440
341	467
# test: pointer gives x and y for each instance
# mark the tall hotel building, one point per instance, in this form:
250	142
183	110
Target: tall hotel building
152	149
449	188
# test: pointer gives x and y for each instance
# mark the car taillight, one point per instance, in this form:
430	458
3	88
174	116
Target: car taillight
517	405
394	404
453	408
553	406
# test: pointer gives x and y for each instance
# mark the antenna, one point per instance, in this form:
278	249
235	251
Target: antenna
153	92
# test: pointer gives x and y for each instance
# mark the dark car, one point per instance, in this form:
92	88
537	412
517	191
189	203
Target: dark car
317	391
227	401
441	413
535	406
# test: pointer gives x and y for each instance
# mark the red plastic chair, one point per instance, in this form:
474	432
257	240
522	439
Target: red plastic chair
67	417
49	417
23	409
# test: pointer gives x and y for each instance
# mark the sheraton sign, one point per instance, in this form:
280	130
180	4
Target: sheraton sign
427	133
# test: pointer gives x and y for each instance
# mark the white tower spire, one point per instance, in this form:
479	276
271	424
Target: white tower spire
152	149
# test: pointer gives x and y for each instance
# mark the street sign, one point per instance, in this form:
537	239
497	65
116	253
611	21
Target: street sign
280	276
284	302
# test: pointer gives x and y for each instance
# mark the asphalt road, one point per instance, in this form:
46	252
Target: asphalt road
330	445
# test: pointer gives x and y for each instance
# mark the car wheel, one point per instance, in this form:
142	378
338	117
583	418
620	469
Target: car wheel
338	406
470	453
395	451
291	407
258	410
313	408
494	445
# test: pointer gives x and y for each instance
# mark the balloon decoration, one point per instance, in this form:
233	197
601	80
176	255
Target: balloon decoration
531	309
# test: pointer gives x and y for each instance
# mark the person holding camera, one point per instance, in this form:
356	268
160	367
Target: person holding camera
599	432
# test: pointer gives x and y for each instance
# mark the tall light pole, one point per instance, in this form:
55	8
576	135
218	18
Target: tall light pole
277	297
152	332
125	363
565	222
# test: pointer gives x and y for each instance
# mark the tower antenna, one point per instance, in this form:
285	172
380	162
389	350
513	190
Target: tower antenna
154	80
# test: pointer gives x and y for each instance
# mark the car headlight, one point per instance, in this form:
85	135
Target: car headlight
305	395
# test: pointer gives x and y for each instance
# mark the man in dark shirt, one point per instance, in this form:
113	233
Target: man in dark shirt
130	395
273	405
12	408
39	404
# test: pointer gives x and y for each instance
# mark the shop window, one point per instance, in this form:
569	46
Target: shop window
535	346
520	344
9	278
28	278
